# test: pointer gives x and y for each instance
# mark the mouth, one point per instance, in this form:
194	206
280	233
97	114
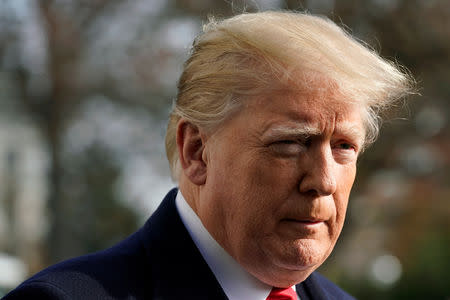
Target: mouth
306	220
307	223
296	228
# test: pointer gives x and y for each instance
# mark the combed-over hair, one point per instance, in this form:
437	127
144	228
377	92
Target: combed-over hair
255	53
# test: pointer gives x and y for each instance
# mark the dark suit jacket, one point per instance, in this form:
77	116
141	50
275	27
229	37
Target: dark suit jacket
160	261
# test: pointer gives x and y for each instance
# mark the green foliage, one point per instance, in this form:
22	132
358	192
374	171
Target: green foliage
96	217
427	273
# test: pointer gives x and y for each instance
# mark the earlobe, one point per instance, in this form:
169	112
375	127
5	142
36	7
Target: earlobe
191	147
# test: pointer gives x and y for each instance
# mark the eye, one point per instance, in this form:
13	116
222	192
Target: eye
345	152
289	147
346	146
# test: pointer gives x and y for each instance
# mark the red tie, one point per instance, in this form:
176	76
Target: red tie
282	294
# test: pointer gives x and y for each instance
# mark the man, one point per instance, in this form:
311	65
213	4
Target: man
273	110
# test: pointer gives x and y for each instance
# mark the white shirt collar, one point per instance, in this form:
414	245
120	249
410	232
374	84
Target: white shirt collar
236	282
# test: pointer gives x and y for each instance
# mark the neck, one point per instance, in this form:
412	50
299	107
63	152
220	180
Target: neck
191	193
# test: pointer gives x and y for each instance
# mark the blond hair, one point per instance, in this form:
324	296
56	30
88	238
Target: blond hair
256	53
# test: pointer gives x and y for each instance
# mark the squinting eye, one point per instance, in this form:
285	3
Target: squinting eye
303	142
346	146
345	152
287	142
287	147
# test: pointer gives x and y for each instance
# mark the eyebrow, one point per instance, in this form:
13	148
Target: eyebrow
353	132
307	130
303	130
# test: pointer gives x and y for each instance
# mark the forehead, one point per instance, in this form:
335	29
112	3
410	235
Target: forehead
319	112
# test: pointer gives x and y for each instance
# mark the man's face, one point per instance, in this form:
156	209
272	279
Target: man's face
279	175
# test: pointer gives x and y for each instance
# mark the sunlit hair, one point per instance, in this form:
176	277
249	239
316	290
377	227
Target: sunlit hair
256	54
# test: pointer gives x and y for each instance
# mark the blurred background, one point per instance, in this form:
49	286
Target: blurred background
85	91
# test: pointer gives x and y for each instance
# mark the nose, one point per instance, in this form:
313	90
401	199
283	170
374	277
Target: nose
319	177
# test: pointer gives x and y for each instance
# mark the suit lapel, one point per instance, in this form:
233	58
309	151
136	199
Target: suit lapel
178	270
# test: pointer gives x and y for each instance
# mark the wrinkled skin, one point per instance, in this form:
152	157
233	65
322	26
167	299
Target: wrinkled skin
276	182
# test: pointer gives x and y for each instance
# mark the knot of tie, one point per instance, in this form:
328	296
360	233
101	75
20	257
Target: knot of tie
282	294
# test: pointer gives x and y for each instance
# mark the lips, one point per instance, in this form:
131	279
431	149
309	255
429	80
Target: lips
294	228
305	221
308	222
309	225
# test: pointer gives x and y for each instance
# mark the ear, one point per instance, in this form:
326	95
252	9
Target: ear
191	147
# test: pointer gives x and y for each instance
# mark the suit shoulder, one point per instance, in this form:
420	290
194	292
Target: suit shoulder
37	290
105	273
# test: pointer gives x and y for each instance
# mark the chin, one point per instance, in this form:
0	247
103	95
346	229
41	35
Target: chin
288	271
306	254
285	278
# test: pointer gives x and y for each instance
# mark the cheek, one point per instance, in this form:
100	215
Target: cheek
273	175
265	186
342	196
262	186
348	178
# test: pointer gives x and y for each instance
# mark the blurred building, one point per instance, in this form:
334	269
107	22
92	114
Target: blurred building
23	168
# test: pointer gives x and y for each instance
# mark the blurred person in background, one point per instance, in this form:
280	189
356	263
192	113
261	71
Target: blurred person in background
273	110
